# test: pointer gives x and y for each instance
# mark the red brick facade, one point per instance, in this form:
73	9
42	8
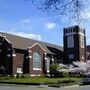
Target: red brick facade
32	50
18	61
16	55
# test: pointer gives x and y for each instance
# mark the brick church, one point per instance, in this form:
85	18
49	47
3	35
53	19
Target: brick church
23	55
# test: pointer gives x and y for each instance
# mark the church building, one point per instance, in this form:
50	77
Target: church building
23	55
28	56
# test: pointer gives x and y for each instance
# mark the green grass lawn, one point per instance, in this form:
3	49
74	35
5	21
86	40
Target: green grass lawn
37	80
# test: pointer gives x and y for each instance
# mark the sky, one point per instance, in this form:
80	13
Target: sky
21	17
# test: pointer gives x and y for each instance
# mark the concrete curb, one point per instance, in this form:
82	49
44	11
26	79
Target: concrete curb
39	85
71	86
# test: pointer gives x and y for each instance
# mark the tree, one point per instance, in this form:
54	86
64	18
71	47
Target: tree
82	67
53	70
73	9
77	68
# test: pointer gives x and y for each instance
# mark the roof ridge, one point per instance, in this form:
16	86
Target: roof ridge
31	39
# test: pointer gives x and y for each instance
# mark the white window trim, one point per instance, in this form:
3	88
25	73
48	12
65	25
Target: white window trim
73	33
14	55
29	51
48	71
30	56
52	59
45	58
37	69
81	33
19	70
45	53
7	40
33	75
35	45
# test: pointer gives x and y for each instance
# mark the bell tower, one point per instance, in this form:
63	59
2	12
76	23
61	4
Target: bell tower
74	44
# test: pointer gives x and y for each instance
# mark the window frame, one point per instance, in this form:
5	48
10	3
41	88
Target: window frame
36	61
70	41
71	56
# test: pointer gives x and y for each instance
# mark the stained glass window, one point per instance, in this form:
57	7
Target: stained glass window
36	61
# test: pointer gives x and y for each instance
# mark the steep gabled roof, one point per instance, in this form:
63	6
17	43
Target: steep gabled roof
38	45
23	43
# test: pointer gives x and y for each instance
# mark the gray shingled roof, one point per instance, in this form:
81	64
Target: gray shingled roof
23	43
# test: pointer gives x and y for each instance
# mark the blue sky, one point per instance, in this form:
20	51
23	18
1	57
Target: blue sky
21	18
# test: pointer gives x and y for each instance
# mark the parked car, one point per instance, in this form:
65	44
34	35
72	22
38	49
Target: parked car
85	81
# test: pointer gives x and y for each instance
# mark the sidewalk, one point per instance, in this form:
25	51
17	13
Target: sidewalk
71	86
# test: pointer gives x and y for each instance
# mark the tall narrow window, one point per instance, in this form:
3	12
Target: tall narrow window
70	41
82	41
36	61
47	64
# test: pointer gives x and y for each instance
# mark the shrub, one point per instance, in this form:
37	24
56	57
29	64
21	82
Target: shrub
53	70
18	75
25	76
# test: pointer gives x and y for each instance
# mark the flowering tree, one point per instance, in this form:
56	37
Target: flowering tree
81	67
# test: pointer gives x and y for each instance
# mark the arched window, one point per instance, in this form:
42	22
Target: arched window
36	61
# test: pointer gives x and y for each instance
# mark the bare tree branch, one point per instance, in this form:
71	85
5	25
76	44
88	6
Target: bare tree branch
67	8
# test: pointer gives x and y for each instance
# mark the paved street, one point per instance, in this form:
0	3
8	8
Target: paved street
72	88
20	87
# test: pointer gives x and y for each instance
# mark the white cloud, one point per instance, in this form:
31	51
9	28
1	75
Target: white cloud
26	21
88	14
50	25
27	35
